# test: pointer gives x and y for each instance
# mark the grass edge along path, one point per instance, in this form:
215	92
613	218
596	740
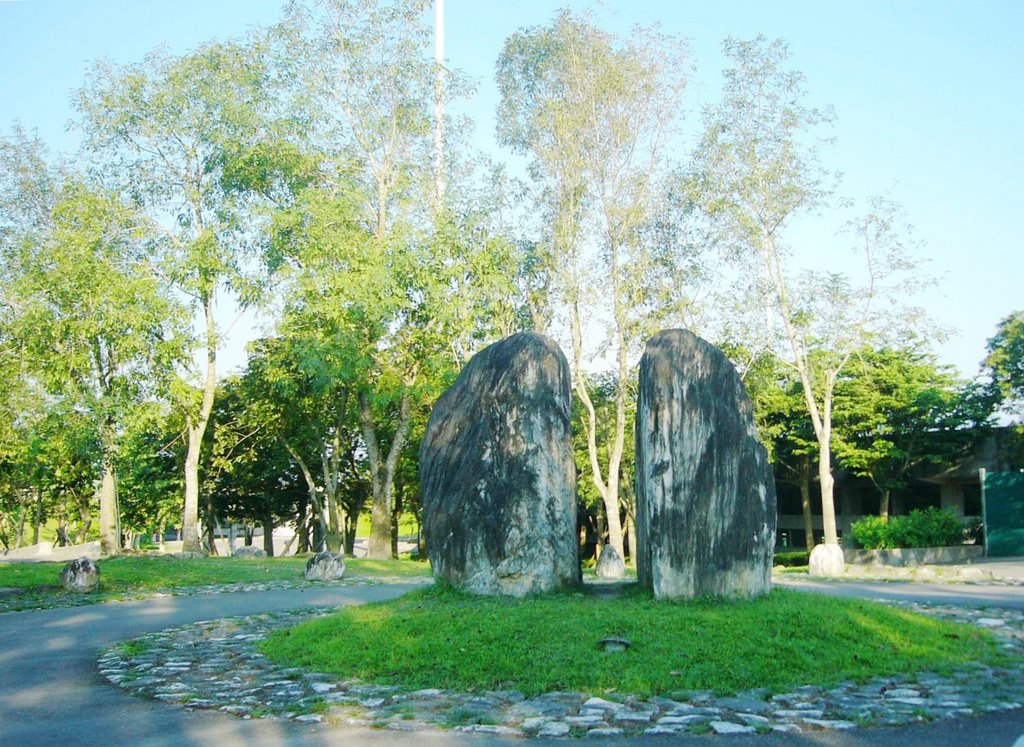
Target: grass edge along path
136	576
439	638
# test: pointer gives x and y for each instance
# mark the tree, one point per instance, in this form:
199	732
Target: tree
176	134
1004	363
755	171
297	393
896	412
377	270
253	478
781	416
150	479
595	113
94	325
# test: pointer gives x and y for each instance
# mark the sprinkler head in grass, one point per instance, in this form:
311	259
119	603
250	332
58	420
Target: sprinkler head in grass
614	644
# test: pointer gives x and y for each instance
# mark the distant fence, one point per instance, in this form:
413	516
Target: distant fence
1002	497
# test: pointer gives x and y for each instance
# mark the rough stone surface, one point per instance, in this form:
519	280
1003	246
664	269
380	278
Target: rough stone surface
826	560
80	576
249	551
610	564
325	566
497	475
705	490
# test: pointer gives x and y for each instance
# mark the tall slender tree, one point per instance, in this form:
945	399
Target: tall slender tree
371	82
94	324
170	131
755	172
595	114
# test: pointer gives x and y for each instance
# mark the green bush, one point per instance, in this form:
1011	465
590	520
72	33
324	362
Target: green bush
791	559
931	527
871	532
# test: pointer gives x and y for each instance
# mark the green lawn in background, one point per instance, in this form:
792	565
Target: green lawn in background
441	638
129	573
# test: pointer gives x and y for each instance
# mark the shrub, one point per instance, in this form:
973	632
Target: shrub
871	532
791	559
931	527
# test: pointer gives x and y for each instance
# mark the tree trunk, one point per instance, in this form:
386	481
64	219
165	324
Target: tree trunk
110	542
351	527
883	509
396	515
268	533
85	519
805	502
19	536
631	538
609	491
37	522
382	475
196	431
828	506
330	463
329	531
190	512
212	525
300	529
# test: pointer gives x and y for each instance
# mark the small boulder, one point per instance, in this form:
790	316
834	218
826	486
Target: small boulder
610	564
826	560
325	566
249	551
80	576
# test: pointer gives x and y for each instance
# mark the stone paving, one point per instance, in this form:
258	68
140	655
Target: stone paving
216	665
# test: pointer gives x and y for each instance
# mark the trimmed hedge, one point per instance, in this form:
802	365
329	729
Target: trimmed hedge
931	527
793	559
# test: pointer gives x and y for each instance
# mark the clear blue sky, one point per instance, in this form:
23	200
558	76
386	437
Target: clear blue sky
928	98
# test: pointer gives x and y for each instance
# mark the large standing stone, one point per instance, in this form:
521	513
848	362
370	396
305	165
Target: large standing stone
497	476
81	575
705	491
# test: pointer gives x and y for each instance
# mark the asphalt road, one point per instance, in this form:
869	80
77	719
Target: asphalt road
51	693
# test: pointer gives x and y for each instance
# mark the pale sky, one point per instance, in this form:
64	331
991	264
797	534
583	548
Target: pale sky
927	95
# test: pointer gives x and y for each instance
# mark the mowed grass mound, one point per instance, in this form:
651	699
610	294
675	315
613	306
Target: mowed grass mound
128	573
440	638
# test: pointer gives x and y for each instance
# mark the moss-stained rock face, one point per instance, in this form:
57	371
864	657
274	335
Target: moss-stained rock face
705	493
81	575
497	476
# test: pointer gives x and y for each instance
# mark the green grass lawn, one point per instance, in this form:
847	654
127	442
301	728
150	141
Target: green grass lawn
130	573
441	638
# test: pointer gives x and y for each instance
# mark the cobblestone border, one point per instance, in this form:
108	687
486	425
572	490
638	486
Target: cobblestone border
215	665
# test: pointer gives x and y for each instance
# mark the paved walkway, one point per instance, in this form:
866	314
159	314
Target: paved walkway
52	693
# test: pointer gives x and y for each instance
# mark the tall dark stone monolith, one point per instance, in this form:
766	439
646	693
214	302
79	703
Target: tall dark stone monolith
497	476
705	491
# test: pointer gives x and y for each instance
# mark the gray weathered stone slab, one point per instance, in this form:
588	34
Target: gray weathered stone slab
705	491
497	474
